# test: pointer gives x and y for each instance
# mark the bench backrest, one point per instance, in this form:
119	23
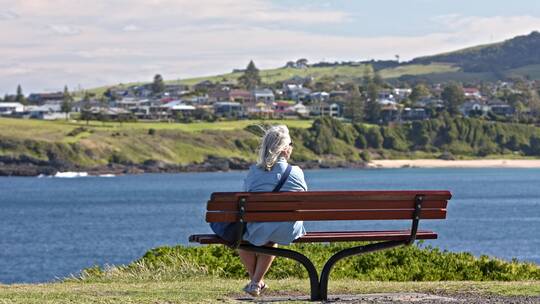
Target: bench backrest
326	205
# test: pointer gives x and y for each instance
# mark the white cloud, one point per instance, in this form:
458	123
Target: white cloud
64	29
109	53
120	41
130	28
8	15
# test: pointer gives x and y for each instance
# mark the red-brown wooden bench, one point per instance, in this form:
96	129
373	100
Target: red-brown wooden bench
242	207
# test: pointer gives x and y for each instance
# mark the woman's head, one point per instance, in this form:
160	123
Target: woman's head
276	142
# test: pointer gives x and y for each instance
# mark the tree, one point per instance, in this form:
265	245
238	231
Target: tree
419	91
19	97
66	102
534	104
250	79
453	97
354	108
158	85
373	108
368	72
374	138
377	79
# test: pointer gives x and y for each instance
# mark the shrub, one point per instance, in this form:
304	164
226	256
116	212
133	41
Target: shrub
411	263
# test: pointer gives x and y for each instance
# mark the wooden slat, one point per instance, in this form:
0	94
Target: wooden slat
325	215
321	205
341	236
325	195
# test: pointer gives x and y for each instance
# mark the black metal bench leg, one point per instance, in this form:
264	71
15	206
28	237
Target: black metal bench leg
302	259
325	274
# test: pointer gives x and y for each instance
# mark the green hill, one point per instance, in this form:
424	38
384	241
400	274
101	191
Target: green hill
516	57
40	147
511	54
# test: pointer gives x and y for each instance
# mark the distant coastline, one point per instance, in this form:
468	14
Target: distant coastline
224	165
439	163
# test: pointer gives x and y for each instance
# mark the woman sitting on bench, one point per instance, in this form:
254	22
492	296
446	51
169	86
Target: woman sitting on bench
271	173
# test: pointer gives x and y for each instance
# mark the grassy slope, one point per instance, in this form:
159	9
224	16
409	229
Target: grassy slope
343	73
211	290
172	143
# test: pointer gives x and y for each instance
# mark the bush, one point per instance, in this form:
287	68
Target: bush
365	156
411	263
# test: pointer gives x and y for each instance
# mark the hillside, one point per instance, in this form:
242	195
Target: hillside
40	147
516	57
513	53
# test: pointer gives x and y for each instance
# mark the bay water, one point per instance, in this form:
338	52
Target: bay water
53	227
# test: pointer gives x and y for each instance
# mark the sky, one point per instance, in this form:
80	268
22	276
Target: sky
47	44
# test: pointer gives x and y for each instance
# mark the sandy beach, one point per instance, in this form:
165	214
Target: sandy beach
439	163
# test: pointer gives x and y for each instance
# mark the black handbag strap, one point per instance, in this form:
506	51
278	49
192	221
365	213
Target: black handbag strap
283	179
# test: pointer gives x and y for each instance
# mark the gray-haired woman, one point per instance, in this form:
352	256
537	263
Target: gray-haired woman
276	148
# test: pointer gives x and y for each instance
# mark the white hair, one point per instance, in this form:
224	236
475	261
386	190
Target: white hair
274	141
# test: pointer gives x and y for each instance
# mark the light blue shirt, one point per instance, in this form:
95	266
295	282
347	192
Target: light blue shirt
259	180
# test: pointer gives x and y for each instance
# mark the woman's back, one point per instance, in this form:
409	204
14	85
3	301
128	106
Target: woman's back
259	180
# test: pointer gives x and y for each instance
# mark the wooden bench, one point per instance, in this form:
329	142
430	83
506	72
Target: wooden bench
242	207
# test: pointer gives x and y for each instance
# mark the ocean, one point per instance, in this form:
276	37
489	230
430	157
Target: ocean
51	228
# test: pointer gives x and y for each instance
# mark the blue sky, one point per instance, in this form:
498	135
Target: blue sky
47	44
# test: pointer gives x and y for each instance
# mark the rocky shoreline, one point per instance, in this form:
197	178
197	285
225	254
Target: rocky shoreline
28	166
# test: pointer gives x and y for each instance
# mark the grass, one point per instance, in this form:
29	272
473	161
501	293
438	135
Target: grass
341	73
96	143
57	130
418	69
211	290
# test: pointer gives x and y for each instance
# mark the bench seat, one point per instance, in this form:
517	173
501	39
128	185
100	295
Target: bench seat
246	207
334	236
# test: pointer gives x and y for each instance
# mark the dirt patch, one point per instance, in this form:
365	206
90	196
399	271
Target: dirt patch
398	298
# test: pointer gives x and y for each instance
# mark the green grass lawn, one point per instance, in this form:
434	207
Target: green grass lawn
212	290
56	130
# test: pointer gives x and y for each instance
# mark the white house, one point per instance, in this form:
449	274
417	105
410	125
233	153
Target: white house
8	108
46	112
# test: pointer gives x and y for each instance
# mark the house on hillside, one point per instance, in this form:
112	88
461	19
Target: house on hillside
284	108
473	108
338	96
11	108
46	98
219	94
205	85
296	92
228	109
46	112
263	95
241	96
319	97
414	114
301	110
325	109
401	94
259	110
500	107
472	93
385	94
173	108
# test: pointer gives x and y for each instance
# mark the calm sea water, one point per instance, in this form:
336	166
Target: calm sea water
51	227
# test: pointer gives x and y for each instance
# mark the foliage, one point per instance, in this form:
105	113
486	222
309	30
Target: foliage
251	78
411	263
453	97
419	91
158	85
354	107
19	97
512	53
